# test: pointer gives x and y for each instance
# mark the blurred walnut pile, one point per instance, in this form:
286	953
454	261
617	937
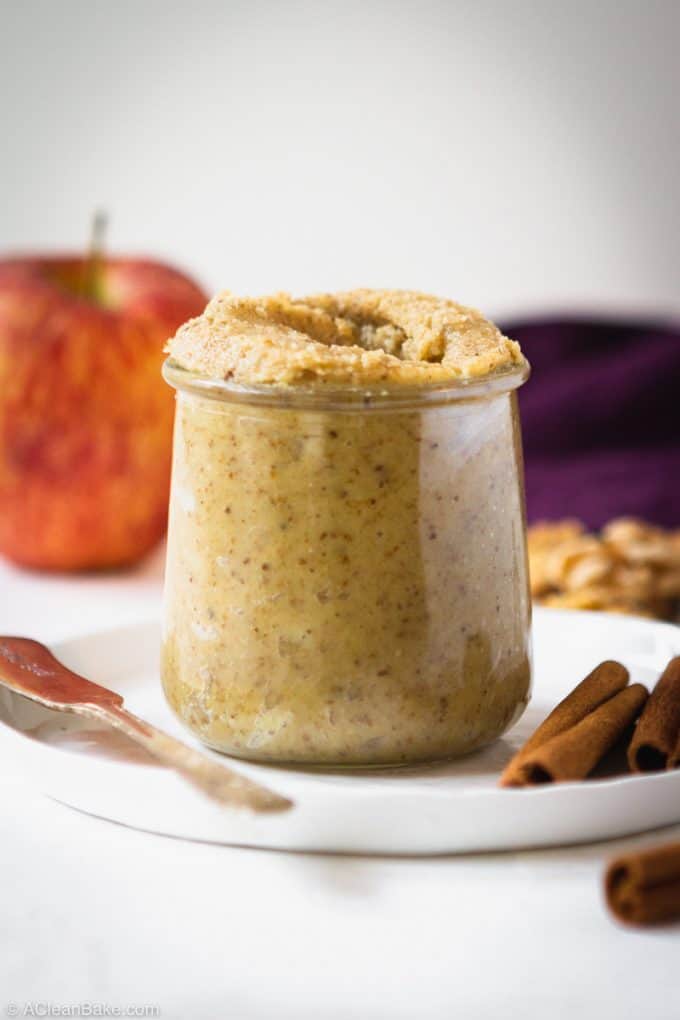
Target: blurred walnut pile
629	567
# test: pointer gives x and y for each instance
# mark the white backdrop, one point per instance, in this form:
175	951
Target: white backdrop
515	155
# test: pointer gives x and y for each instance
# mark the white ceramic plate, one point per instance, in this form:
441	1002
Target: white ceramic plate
448	808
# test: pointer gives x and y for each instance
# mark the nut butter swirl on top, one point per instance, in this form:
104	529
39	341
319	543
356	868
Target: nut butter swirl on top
357	337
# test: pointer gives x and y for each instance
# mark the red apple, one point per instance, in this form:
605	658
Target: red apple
85	417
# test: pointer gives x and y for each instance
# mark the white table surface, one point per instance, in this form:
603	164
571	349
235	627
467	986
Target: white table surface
92	912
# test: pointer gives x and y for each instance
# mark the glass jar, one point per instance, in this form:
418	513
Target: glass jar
347	575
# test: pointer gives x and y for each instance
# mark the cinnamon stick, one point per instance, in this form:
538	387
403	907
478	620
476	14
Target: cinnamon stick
602	683
674	760
644	887
574	753
657	733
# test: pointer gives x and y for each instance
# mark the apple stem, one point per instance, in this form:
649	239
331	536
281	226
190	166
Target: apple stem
96	252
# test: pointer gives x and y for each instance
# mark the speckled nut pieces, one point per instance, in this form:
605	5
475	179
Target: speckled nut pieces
357	337
628	567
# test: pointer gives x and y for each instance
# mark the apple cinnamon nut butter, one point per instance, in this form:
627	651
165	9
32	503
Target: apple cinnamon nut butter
347	577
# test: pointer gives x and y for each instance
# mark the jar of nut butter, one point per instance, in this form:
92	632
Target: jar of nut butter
346	575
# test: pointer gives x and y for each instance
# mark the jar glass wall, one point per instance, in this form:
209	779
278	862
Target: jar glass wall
346	576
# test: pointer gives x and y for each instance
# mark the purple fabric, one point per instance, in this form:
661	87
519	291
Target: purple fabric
601	419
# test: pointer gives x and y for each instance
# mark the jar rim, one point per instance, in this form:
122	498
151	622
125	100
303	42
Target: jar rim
334	397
